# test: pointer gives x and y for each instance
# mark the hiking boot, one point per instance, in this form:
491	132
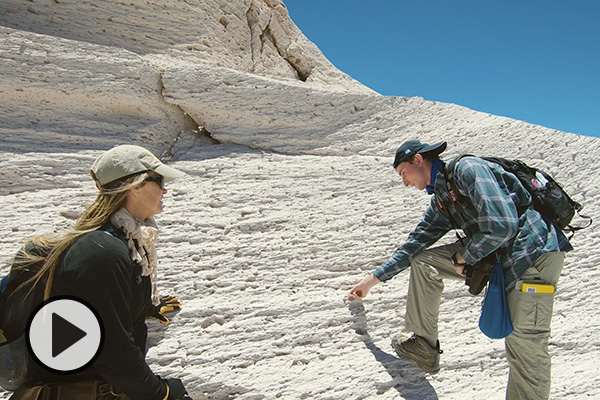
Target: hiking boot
418	349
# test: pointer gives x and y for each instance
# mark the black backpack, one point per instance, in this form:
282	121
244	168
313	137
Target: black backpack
17	305
16	366
549	198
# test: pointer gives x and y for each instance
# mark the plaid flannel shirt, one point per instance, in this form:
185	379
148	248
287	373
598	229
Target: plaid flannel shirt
491	222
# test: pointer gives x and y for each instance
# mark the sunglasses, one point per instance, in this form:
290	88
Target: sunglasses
160	180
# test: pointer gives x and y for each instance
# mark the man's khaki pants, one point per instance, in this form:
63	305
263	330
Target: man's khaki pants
526	347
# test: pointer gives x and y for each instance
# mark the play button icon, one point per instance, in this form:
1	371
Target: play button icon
64	334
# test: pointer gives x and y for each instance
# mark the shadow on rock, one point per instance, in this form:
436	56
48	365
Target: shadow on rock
407	378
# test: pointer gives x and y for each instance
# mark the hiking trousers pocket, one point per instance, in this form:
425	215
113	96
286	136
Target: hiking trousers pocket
531	313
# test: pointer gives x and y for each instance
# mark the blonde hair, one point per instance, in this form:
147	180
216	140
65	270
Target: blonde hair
111	199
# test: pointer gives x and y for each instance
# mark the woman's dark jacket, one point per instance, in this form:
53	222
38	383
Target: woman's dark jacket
98	269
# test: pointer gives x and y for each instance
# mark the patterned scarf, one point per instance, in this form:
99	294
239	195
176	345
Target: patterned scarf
141	239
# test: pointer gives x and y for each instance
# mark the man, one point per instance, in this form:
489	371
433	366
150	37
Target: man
498	219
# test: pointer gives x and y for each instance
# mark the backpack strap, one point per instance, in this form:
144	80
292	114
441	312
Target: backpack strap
453	194
572	229
450	186
577	207
114	231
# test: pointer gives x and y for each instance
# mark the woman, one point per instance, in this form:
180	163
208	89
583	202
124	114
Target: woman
109	261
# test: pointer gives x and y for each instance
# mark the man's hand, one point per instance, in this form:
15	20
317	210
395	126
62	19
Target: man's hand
459	269
360	291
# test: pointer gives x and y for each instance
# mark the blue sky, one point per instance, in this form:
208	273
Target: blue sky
532	60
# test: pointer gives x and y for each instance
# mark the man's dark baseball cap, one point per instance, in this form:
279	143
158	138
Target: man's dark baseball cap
412	147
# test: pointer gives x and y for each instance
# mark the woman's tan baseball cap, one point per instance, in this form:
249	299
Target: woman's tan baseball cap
125	160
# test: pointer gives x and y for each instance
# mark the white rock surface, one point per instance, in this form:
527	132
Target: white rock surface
288	202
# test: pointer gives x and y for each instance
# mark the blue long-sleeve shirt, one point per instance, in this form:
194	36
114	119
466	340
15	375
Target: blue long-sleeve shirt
490	220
